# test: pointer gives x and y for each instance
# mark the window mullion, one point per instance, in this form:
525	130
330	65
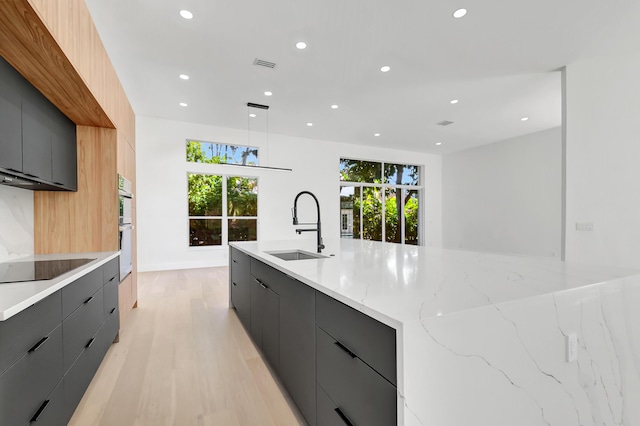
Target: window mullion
225	221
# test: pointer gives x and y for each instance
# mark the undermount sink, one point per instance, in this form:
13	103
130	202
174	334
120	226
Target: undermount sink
296	255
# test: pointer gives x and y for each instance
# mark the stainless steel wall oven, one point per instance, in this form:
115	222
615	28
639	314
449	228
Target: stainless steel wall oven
125	226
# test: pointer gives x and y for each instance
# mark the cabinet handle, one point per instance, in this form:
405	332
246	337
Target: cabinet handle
263	285
88	300
234	261
346	349
58	183
39	412
88	345
343	416
112	278
37	345
112	311
234	284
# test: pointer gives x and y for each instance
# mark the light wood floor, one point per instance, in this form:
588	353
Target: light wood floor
184	359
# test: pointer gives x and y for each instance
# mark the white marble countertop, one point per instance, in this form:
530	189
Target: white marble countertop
15	297
397	284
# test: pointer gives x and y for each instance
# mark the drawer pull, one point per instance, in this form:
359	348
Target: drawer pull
39	412
234	284
88	345
263	285
344	418
88	300
37	345
234	261
112	278
346	349
112	311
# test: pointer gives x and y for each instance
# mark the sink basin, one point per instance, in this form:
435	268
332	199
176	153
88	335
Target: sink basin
296	255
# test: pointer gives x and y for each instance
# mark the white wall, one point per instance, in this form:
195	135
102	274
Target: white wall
162	221
603	152
505	197
16	222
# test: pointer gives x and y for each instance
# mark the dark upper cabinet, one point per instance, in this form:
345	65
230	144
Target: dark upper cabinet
37	141
10	124
36	135
64	155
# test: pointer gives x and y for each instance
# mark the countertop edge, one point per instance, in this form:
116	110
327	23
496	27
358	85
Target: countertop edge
385	319
59	282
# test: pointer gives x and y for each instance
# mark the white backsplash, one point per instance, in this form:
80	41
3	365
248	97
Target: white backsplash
16	223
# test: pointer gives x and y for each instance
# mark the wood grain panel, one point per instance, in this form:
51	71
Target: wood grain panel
70	23
27	45
86	220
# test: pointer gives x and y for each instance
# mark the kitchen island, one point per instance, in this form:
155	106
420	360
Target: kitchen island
482	338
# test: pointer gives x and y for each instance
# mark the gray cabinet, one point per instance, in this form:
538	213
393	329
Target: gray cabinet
10	118
37	141
265	326
50	351
338	364
240	285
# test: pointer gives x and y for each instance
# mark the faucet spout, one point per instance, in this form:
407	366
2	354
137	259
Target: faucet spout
318	227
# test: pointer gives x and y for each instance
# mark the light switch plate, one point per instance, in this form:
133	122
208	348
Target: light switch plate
584	226
571	347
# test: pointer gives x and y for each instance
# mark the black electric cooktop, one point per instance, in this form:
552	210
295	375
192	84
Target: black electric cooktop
36	270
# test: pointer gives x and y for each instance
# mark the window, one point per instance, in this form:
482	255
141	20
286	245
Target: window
216	153
380	201
222	209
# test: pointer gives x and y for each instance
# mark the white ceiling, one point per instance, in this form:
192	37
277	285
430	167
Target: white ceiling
500	61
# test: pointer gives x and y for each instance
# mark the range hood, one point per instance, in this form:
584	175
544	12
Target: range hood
18	180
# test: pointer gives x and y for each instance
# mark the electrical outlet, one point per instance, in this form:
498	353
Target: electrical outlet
571	347
584	226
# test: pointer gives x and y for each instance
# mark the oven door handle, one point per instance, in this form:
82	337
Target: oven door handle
124	193
127	227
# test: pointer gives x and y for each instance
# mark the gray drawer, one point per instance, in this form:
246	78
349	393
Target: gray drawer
239	259
363	395
51	411
110	296
110	271
271	277
372	341
25	385
81	373
81	326
329	414
22	331
80	290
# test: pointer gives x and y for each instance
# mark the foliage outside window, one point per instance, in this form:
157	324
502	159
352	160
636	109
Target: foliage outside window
216	153
377	193
212	225
221	208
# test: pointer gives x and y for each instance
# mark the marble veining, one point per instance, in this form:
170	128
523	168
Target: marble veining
482	337
16	223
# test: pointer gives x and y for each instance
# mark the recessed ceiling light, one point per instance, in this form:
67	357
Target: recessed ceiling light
183	104
438	143
376	134
524	118
334	106
309	124
301	45
186	14
252	115
184	76
459	13
386	68
268	93
454	101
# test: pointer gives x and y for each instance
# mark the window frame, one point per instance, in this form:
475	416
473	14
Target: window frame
224	218
419	187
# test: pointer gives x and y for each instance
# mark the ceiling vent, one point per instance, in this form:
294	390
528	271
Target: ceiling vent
445	123
263	63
